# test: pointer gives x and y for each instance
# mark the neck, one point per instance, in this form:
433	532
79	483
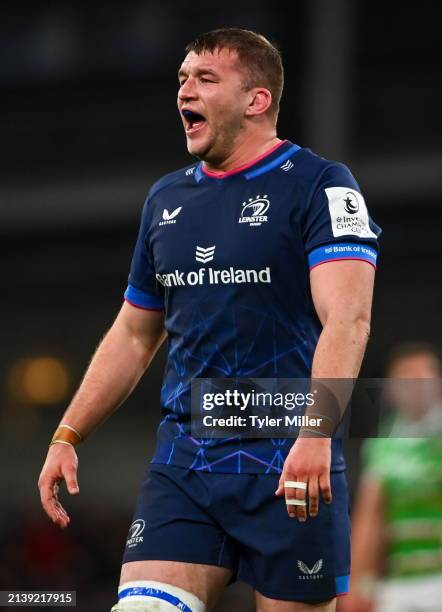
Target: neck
244	151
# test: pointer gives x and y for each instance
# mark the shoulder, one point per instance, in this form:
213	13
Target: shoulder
173	179
314	168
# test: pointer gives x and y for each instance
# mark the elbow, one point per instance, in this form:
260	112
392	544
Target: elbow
363	327
360	331
356	325
144	349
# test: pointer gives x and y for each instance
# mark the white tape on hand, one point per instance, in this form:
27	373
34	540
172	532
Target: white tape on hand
295	484
295	502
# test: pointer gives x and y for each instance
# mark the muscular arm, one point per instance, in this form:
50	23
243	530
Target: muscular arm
118	364
342	294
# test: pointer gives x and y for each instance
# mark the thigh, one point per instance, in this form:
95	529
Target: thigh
284	559
173	538
204	581
172	522
266	604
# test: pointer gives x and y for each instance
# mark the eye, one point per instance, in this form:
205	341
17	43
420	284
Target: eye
206	80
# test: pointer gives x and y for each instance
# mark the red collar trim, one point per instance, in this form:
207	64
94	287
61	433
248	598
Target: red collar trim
221	174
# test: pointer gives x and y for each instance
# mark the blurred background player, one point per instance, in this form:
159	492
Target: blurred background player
397	520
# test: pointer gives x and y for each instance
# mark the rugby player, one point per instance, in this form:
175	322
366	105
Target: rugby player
396	543
258	259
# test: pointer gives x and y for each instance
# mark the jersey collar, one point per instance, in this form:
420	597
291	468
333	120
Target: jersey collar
272	158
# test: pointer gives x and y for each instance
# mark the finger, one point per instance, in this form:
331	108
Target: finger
292	499
280	490
47	497
70	476
62	517
58	514
55	490
50	503
60	508
61	521
324	485
289	494
301	495
54	513
313	496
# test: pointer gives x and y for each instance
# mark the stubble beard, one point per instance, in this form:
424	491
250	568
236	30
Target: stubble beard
222	143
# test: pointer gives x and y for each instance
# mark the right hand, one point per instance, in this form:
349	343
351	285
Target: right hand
61	464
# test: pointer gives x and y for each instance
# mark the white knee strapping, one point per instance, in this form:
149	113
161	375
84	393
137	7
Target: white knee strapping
153	596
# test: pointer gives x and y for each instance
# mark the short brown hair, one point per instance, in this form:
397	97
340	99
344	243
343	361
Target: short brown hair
259	57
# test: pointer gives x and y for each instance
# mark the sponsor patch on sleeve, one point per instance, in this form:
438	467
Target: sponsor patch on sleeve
348	213
342	250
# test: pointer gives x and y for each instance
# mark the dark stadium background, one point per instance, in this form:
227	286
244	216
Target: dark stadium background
87	122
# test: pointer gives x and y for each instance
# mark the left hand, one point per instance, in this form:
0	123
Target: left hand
308	461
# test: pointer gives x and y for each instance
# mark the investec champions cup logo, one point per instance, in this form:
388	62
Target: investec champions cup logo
348	213
135	531
351	204
253	211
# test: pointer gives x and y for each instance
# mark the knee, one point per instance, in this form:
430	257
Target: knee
152	596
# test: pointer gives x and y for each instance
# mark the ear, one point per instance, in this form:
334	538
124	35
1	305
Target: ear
260	101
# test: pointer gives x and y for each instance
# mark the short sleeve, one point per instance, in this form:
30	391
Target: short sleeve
142	290
337	223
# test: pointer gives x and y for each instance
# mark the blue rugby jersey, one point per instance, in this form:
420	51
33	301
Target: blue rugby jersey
228	258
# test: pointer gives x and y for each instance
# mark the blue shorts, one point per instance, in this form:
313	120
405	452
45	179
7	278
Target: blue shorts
236	521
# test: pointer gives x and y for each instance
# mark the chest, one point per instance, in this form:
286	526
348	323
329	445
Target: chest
241	225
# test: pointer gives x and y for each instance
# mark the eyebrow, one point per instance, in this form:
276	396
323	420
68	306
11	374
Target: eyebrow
199	71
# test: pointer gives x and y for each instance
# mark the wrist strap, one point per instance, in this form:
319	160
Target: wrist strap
60	442
67	435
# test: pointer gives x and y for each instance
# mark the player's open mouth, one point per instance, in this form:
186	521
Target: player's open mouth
193	121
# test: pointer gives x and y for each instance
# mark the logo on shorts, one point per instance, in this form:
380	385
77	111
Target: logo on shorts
310	574
135	531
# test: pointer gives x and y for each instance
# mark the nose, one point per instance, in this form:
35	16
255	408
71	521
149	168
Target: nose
187	90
